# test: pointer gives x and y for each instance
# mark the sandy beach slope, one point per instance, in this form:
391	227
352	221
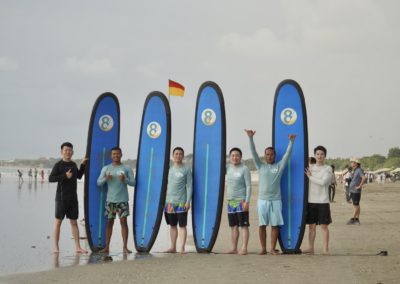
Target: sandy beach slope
353	256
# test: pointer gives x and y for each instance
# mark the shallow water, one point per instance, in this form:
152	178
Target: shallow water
26	241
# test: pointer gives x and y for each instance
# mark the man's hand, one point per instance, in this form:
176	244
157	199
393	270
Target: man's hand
246	206
69	174
108	176
307	172
121	177
84	160
187	206
250	132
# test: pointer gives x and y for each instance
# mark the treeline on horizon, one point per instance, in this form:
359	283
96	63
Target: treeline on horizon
371	163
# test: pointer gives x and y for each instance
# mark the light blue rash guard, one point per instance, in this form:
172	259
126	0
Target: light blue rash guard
117	190
270	174
180	185
238	182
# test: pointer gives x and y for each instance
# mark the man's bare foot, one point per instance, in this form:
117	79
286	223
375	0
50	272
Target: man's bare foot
104	250
170	250
275	252
81	250
308	251
262	252
233	251
243	252
126	250
326	253
183	252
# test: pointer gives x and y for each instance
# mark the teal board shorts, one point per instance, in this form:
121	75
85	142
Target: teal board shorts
269	213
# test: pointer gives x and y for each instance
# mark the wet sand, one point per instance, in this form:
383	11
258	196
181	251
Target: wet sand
353	256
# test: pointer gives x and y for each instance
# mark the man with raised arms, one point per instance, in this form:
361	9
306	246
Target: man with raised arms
269	204
179	196
239	192
118	177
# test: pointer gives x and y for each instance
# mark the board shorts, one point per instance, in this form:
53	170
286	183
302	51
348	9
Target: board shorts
67	208
236	215
175	213
318	213
355	197
112	208
269	213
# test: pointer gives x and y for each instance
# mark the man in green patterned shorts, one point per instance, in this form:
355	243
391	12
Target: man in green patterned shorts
117	176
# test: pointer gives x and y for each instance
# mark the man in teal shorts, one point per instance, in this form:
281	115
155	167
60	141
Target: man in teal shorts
117	176
179	195
269	204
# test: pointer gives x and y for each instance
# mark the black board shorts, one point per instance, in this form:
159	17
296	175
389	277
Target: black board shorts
173	219
240	219
319	214
355	198
67	208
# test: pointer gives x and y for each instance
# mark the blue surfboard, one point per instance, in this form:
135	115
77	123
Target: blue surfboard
290	117
208	165
103	134
151	170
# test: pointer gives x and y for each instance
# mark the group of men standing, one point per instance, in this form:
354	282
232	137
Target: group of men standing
179	195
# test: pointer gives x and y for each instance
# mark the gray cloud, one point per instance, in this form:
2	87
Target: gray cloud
55	59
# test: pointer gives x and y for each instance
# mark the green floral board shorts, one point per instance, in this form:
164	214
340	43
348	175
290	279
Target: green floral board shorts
111	210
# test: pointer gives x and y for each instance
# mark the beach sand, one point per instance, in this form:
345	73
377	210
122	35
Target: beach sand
352	258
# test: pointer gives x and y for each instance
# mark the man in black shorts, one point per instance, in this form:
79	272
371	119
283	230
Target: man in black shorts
65	172
357	181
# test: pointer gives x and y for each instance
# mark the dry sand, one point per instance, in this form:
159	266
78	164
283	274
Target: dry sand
353	254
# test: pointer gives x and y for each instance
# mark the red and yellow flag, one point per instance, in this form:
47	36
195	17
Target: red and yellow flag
176	89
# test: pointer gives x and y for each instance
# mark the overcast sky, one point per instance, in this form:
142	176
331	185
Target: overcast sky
57	57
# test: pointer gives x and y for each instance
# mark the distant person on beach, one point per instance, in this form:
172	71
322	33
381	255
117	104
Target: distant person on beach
35	173
356	184
30	175
239	192
65	172
42	175
346	183
318	210
269	204
118	177
332	186
179	196
20	178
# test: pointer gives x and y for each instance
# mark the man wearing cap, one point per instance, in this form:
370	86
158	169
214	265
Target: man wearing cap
356	183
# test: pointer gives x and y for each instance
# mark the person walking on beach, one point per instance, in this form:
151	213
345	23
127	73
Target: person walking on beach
65	172
269	204
118	177
318	210
20	178
239	192
356	184
35	173
332	186
179	196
